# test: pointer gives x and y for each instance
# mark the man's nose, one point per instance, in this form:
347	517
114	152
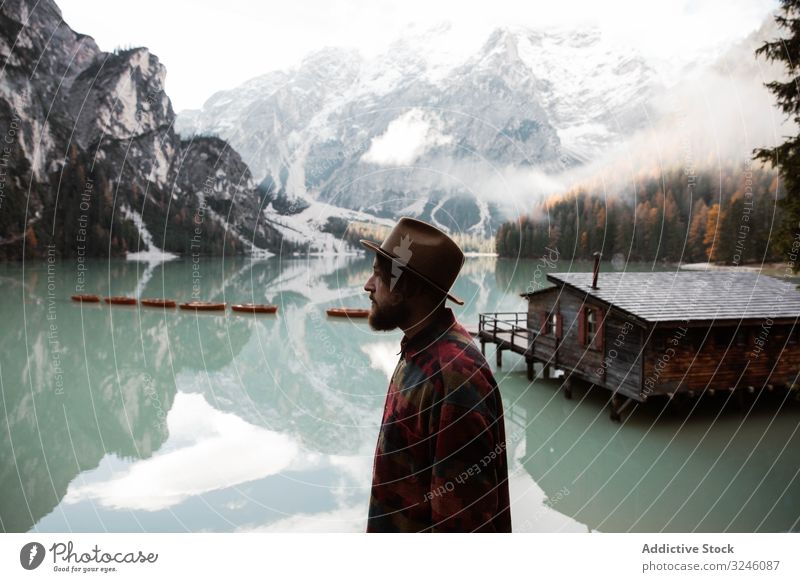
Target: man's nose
368	286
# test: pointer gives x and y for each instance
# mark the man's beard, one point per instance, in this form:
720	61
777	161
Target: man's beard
388	317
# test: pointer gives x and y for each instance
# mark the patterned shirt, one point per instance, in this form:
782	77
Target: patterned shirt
440	462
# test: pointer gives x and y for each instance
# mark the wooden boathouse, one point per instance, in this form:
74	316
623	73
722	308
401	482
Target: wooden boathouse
657	334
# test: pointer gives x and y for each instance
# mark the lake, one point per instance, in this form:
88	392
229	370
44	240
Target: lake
134	419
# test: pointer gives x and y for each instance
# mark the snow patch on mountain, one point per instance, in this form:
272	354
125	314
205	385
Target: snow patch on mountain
151	252
307	226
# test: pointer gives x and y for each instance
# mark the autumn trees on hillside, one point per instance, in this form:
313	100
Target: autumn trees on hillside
724	216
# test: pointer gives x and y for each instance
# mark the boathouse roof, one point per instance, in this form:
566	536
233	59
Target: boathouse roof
689	295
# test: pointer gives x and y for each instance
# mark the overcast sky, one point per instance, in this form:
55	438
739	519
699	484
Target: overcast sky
209	45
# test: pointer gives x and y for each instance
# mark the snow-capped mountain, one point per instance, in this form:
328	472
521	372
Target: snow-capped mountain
422	129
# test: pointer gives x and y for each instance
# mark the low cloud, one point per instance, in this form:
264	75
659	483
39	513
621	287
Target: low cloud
406	139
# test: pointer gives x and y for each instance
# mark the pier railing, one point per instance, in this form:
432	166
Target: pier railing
509	329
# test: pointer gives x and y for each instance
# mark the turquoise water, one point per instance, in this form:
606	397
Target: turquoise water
134	419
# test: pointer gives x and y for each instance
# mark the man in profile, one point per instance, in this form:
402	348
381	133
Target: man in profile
440	462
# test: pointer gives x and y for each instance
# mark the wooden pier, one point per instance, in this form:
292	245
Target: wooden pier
508	331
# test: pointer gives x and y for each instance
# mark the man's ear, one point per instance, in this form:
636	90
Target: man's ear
411	290
396	297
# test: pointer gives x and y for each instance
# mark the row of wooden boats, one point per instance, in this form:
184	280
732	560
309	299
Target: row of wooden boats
347	312
209	305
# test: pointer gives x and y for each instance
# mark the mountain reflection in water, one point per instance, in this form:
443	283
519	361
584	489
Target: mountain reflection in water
136	419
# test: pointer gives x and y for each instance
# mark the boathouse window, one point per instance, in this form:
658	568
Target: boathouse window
552	323
741	336
591	323
590	327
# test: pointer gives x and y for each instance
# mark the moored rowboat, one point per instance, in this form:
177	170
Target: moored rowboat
120	300
86	298
203	306
157	302
347	312
254	307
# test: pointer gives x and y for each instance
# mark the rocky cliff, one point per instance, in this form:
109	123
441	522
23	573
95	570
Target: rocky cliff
90	161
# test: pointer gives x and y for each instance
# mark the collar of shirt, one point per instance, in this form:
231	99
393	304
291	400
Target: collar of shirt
427	335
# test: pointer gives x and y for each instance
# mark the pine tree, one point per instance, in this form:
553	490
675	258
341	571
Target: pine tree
786	157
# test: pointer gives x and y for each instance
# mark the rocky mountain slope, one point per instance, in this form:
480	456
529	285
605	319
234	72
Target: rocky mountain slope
90	160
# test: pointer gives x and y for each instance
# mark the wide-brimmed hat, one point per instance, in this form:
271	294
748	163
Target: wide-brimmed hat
424	250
